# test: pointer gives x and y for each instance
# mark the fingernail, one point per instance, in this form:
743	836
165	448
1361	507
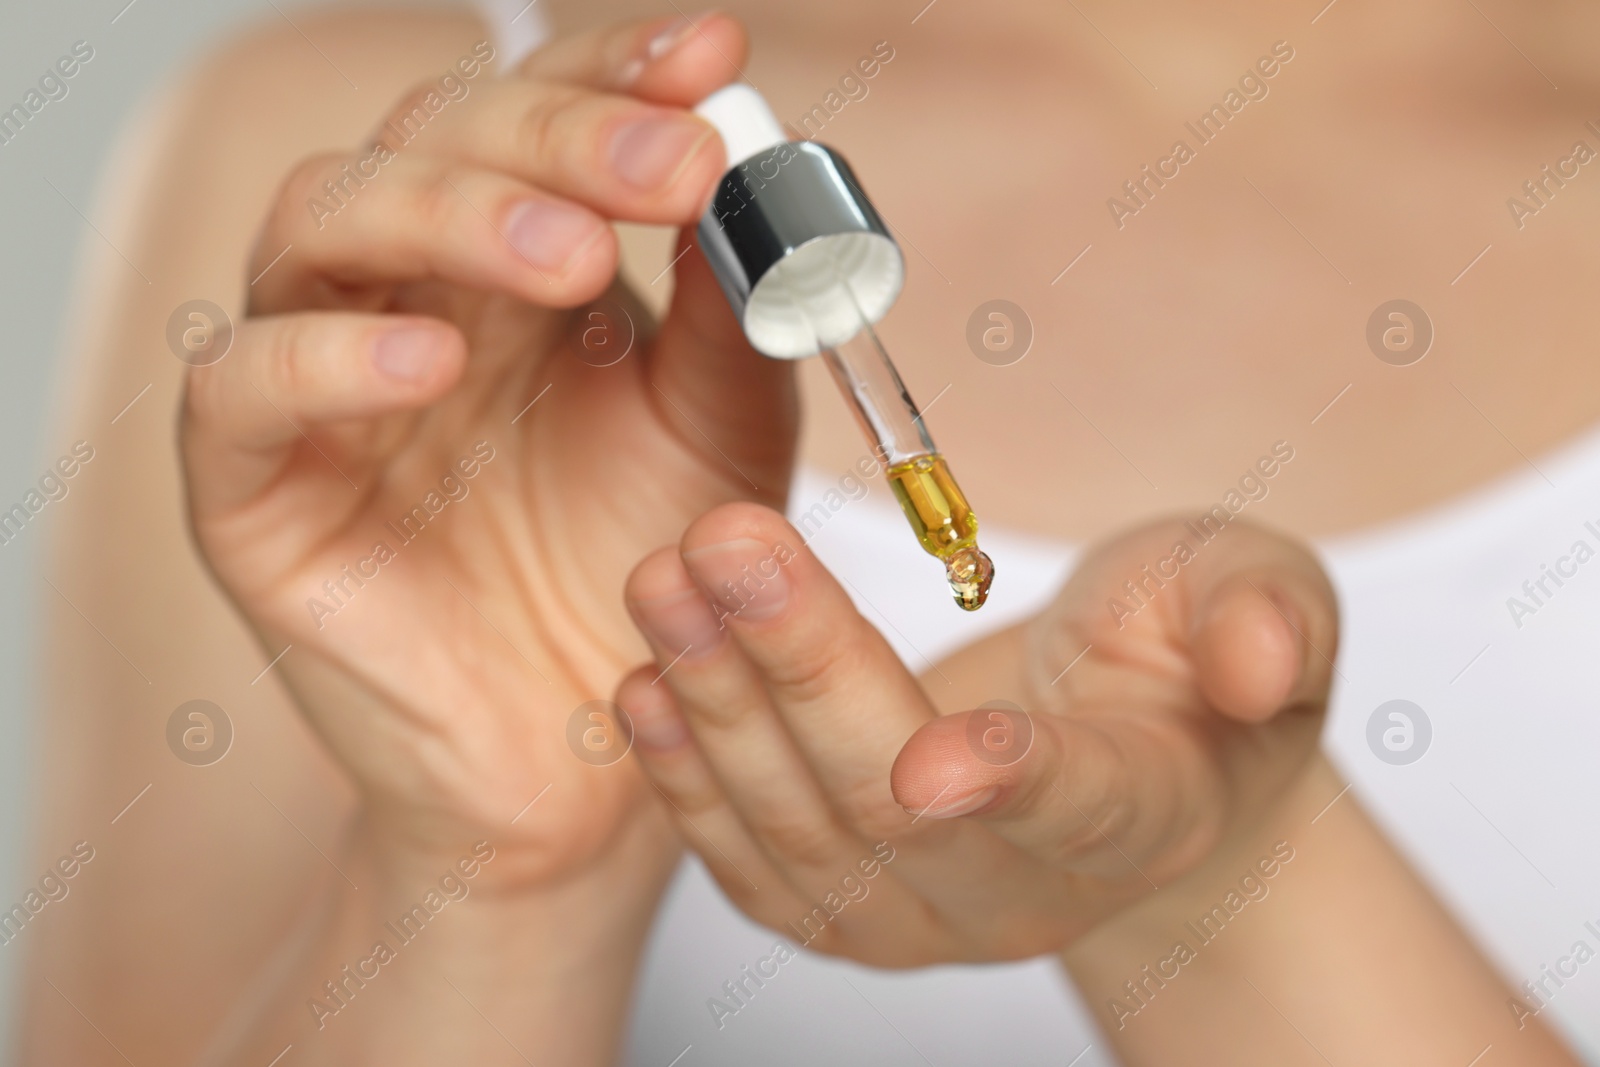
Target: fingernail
682	623
950	809
648	152
670	36
407	354
664	41
744	576
629	73
550	234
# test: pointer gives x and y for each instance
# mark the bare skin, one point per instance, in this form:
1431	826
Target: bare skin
1172	771
199	843
788	725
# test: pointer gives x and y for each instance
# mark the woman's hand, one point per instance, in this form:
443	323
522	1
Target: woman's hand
833	802
415	471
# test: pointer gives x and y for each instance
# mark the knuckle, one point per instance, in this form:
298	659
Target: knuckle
1101	823
439	199
874	815
305	179
808	675
801	841
541	125
1113	818
723	714
283	365
411	114
292	208
694	805
1052	640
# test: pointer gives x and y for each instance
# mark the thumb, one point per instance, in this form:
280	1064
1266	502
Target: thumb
1263	641
1060	789
1247	615
1117	769
723	395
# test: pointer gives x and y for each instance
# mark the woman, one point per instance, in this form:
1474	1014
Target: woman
345	404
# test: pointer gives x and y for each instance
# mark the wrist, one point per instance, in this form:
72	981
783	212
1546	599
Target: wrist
597	911
420	956
534	854
1345	939
1240	872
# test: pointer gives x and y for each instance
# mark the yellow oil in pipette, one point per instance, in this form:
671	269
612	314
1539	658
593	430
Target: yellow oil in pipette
945	525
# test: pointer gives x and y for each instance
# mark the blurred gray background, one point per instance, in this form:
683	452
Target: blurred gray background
137	48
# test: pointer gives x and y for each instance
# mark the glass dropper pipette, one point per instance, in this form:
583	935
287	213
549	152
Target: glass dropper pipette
928	494
808	265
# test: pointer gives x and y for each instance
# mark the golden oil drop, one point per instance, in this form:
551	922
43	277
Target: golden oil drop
945	525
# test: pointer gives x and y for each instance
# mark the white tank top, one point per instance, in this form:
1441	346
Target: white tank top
1498	815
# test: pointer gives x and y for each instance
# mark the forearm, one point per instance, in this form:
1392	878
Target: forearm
1341	956
407	964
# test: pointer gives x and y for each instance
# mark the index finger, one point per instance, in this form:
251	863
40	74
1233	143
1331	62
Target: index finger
674	60
838	686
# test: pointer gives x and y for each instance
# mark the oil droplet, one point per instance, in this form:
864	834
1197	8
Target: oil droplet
944	524
970	572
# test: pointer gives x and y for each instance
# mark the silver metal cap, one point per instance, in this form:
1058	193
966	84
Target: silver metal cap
802	255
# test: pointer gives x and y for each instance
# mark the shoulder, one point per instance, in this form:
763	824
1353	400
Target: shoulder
321	80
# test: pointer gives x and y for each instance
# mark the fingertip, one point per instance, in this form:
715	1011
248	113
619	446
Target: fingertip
586	277
727	37
635	695
658	724
655	163
940	773
418	355
685	60
695	183
659	574
925	765
670	610
738	521
552	251
1247	647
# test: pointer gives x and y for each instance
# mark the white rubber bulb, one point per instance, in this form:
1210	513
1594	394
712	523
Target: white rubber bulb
744	120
